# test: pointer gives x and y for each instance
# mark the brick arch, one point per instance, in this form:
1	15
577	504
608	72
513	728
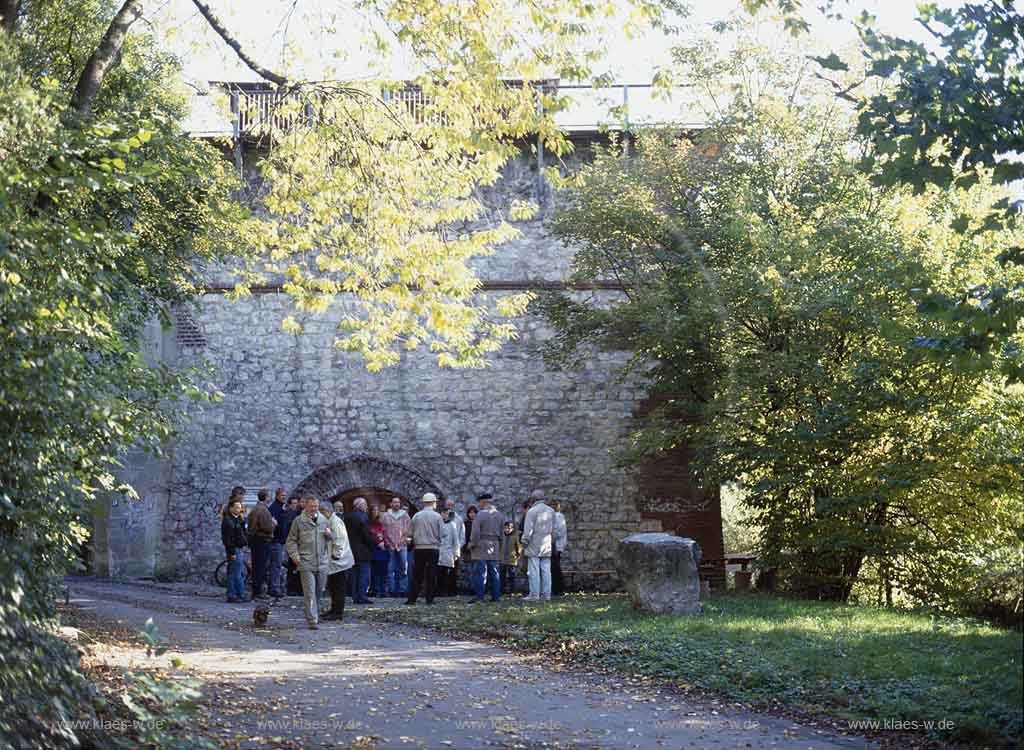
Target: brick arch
362	470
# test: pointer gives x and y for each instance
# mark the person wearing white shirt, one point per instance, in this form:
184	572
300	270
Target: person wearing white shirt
561	541
448	576
339	561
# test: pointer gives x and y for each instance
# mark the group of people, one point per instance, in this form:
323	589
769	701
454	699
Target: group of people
369	551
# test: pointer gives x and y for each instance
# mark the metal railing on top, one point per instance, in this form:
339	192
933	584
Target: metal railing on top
588	109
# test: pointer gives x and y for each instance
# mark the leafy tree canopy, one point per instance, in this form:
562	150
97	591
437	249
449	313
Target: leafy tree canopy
109	216
765	294
946	115
102	225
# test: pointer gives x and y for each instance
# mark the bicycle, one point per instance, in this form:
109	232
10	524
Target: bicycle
220	574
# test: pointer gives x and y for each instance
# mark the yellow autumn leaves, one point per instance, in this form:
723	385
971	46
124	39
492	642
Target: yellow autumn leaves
376	194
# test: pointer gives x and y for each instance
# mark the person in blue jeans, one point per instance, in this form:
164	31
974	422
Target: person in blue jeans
485	547
284	515
397	535
381	556
233	535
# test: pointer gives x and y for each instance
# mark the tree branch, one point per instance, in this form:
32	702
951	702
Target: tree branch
233	43
9	14
839	90
104	57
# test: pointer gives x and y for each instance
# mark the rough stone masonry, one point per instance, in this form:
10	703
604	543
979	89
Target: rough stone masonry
296	410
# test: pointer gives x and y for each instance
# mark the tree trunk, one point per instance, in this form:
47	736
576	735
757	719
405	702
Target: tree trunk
887	582
104	57
9	14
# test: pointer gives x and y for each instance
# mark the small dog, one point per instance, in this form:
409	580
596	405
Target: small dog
260	615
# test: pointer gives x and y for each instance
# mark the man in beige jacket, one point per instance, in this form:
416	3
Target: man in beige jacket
427	527
307	546
538	543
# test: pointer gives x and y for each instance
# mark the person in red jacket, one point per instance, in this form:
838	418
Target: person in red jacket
379	563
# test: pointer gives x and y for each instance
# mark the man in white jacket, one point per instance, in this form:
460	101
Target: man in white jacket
538	543
339	563
448	580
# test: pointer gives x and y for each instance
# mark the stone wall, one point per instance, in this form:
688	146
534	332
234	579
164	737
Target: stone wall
295	409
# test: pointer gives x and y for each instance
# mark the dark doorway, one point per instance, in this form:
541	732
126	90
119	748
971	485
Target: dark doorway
374	496
376	479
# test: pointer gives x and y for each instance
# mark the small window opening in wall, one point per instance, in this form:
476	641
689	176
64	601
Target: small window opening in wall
186	329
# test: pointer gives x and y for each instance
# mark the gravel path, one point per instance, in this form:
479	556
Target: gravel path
366	685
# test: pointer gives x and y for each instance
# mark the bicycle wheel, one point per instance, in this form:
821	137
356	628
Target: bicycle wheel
220	575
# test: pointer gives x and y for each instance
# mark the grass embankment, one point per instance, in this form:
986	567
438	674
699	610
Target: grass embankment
848	662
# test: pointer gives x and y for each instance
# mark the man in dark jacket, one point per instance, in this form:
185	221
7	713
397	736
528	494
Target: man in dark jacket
357	524
284	516
485	546
261	534
292	579
232	534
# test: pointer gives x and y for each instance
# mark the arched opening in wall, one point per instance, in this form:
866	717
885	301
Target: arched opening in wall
379	496
362	475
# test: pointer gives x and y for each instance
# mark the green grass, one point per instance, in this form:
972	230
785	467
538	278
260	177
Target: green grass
848	662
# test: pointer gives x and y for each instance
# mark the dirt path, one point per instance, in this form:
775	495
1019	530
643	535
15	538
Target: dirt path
366	685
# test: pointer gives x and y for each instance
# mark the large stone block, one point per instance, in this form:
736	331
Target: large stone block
660	572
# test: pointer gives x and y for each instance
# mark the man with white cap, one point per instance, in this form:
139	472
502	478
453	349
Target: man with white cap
427	527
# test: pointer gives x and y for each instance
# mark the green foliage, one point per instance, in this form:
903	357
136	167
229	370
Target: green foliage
161	710
767	296
162	713
984	582
739	533
42	686
950	111
949	118
848	662
102	226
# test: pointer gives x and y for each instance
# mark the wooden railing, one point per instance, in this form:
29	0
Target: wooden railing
257	110
412	99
